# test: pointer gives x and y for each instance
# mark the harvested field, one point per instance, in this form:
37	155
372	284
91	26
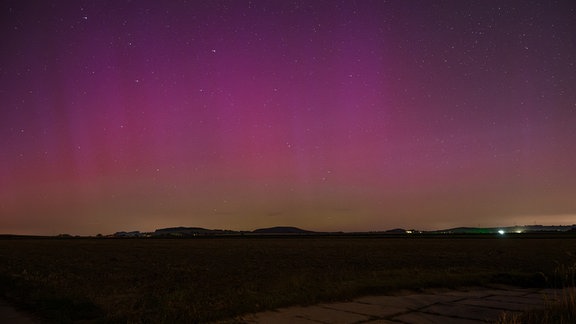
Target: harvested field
197	280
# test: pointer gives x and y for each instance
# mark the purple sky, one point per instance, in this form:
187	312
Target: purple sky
326	115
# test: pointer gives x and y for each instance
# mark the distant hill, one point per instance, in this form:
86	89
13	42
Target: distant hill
282	230
129	234
396	231
507	229
467	230
189	231
182	231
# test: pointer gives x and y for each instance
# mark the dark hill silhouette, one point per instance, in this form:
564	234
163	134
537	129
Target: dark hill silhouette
282	230
507	229
396	231
189	231
467	230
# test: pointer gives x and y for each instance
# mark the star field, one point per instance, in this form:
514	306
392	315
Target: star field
327	115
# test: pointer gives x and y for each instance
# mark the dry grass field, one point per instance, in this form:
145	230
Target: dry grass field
198	280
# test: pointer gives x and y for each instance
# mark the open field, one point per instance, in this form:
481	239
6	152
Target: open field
195	280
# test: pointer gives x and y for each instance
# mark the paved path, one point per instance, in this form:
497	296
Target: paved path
9	314
463	306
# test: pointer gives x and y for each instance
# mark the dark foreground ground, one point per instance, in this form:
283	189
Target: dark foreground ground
196	280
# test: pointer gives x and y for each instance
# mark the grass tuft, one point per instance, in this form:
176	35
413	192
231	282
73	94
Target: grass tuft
558	309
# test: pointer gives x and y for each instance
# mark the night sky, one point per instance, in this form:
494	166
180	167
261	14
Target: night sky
326	115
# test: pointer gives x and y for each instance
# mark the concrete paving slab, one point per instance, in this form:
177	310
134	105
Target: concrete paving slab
366	309
380	321
271	317
468	294
328	315
311	314
457	306
392	301
464	311
411	302
503	287
424	300
535	300
515	292
504	306
423	318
